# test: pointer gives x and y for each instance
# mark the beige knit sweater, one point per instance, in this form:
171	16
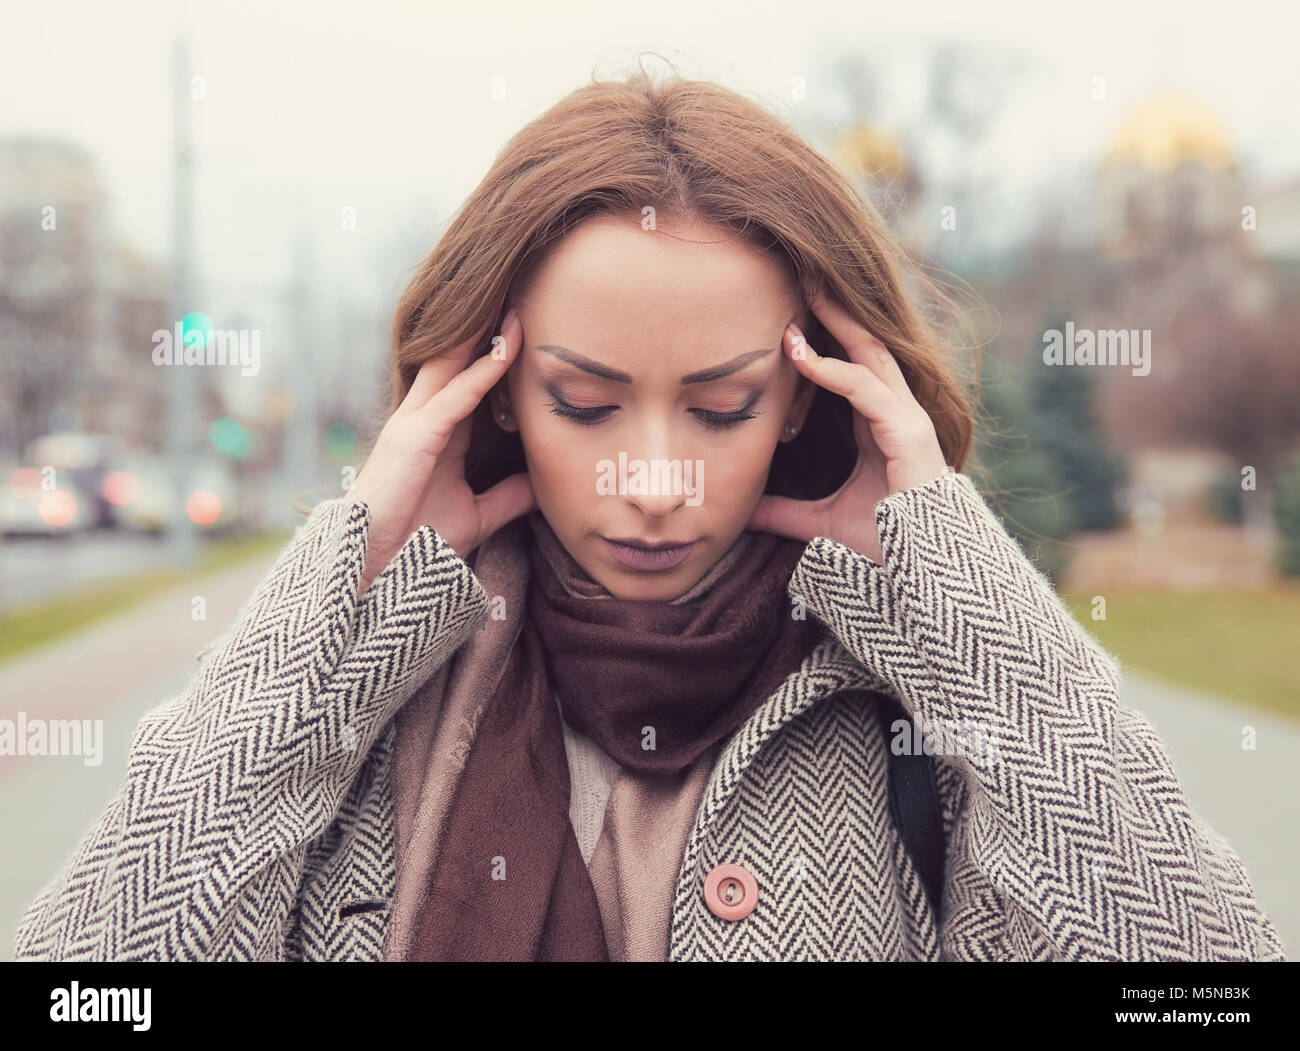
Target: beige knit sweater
632	830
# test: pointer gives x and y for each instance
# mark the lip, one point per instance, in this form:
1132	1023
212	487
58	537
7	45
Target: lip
646	557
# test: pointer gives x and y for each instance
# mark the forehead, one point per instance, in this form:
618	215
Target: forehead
609	276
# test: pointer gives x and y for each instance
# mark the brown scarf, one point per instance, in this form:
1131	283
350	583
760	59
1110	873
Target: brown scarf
654	684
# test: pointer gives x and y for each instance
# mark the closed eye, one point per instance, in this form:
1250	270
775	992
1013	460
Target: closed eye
587	416
714	421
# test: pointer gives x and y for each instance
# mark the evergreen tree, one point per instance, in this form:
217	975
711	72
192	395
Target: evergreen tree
1286	512
1061	423
1019	478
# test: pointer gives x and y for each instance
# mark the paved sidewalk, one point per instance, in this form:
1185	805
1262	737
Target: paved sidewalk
118	670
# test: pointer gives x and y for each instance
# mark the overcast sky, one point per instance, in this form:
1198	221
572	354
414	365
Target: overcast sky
387	106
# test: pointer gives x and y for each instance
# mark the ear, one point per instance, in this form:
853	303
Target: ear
499	402
805	391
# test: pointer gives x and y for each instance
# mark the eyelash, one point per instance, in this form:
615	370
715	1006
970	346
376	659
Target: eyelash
714	421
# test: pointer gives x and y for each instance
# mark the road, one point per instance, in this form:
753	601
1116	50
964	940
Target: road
35	568
116	671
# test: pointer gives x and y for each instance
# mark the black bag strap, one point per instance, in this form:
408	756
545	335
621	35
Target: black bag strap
914	801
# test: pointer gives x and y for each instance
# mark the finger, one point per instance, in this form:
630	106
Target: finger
466	389
505	502
437	372
865	391
859	343
784	516
423	386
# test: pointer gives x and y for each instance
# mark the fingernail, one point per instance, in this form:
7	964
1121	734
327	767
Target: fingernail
796	339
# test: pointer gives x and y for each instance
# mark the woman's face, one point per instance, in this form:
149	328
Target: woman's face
650	394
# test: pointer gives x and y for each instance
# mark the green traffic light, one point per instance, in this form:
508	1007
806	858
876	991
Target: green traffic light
195	322
231	437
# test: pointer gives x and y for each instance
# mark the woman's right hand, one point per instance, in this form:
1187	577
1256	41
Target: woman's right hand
415	475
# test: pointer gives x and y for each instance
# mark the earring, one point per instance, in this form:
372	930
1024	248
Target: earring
790	431
504	415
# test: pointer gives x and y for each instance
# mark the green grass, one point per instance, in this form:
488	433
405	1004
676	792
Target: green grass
26	627
1239	644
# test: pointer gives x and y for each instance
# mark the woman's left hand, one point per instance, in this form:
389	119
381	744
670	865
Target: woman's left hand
897	444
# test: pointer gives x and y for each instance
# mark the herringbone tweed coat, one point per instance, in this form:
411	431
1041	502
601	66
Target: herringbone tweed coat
256	822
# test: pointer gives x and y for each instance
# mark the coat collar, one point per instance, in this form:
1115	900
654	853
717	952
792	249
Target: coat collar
828	670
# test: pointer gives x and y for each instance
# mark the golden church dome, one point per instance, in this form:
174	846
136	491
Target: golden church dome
871	151
1166	130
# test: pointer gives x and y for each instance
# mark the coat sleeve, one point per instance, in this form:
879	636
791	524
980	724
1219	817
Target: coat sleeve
1068	834
201	853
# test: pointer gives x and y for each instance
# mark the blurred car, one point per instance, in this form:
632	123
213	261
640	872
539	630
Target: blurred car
141	494
31	505
83	459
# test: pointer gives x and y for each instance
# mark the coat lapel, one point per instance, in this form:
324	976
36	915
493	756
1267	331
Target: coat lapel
827	671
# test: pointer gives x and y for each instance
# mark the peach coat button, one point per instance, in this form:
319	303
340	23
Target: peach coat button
730	892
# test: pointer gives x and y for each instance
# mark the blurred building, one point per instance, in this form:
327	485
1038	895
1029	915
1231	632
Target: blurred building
77	306
1277	236
1170	179
1171	221
1191	250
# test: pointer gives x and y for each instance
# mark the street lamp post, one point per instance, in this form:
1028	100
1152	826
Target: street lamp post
182	399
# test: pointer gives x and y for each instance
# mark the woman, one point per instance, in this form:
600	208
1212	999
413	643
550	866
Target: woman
589	663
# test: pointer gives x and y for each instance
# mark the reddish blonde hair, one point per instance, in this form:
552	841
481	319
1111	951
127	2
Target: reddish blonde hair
689	149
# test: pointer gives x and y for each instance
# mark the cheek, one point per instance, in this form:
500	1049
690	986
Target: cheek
558	459
735	472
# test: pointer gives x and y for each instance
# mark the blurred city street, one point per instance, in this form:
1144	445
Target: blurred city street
35	568
216	284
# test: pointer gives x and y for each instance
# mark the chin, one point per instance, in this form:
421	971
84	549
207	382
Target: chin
646	593
648	587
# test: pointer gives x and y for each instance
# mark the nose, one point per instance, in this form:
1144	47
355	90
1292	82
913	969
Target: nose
657	505
661	489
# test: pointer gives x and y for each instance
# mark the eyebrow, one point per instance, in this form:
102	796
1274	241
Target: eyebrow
714	372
